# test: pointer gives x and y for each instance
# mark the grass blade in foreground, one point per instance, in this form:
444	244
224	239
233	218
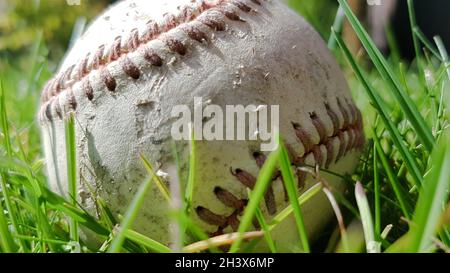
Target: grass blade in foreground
72	171
377	190
56	202
382	110
147	242
3	176
432	198
130	216
288	178
444	54
221	240
307	195
392	177
337	26
6	241
405	102
264	179
162	187
372	246
413	24
426	42
265	229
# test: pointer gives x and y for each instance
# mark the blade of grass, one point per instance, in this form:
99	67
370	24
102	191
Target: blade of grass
372	246
392	178
337	26
339	218
443	53
427	42
71	170
6	240
307	195
432	198
222	240
72	211
383	112
31	239
106	214
195	231
4	175
265	229
147	242
160	184
191	179
263	181
9	207
413	24
376	189
130	216
405	102
288	179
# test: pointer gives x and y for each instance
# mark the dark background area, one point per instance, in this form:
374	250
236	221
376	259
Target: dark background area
433	18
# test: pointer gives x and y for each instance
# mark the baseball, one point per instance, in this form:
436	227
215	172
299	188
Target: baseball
139	60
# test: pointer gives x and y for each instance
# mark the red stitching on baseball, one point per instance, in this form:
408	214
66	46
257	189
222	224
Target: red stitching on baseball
109	81
242	6
71	101
210	217
102	57
229	14
133	40
355	140
152	57
98	58
194	33
130	68
213	23
57	107
334	118
175	46
320	127
228	199
88	91
116	50
82	68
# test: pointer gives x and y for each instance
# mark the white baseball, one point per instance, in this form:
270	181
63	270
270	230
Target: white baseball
141	58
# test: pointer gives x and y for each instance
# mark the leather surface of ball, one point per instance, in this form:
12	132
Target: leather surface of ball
139	59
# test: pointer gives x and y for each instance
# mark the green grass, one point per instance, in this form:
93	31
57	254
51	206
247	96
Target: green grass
130	216
401	200
72	171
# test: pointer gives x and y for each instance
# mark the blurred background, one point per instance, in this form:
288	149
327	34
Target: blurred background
24	23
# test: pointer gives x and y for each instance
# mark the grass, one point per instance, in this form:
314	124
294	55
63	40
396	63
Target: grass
399	192
72	171
264	178
130	216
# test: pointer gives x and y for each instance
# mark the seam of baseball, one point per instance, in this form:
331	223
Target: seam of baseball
352	125
65	80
